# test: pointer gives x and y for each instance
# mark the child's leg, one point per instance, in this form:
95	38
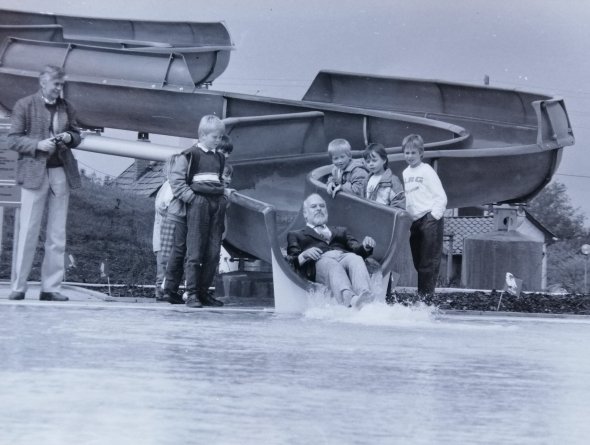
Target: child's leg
430	253
416	242
175	261
212	249
198	221
166	244
160	274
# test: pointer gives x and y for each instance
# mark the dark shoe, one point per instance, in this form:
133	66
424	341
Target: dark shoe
208	299
426	298
14	295
193	301
171	297
391	298
52	296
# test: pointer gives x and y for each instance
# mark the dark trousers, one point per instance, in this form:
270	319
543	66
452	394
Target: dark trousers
426	240
205	224
175	265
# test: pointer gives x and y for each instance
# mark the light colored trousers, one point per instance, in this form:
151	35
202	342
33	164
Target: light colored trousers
55	193
342	271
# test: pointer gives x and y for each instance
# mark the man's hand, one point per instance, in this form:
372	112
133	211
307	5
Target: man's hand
46	145
368	243
313	253
65	137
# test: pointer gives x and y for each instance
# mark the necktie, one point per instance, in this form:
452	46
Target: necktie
324	232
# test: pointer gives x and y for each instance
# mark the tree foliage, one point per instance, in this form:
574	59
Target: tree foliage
552	207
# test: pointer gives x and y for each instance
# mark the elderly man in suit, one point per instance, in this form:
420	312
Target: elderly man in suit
331	255
43	129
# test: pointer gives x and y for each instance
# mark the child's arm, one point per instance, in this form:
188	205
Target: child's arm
177	179
439	197
356	182
331	185
397	197
163	198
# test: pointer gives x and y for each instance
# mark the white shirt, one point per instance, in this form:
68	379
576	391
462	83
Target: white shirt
372	183
424	192
323	231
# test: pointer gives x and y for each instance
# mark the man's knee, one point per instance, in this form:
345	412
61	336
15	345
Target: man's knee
355	260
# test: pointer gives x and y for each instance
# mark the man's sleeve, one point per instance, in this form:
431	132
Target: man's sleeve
353	245
73	127
17	138
293	248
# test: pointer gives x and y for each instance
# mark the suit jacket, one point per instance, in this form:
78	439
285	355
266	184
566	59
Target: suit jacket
30	122
300	240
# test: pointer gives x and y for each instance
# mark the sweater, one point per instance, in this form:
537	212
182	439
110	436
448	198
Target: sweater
424	192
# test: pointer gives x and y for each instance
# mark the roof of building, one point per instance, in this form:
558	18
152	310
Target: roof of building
464	226
548	233
150	179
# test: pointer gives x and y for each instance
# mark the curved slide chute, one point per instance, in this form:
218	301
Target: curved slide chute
114	32
488	145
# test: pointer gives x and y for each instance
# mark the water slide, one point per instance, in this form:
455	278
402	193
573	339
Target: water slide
204	47
488	145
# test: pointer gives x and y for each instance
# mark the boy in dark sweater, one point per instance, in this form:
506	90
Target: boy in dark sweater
196	180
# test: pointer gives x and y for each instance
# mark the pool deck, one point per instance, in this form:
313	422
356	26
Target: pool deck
84	297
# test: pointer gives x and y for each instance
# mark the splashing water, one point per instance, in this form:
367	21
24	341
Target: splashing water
321	306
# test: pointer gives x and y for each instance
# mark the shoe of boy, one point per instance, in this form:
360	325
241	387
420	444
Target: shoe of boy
172	298
207	299
193	301
15	295
52	296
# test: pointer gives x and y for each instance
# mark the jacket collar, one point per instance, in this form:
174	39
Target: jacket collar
354	163
41	100
386	177
311	232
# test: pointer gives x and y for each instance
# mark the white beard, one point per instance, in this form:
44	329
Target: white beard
317	219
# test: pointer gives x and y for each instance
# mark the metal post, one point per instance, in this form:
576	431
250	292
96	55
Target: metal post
15	243
585	249
1	226
586	276
450	259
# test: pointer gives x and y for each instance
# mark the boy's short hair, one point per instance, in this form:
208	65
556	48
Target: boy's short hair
414	141
210	123
339	146
225	145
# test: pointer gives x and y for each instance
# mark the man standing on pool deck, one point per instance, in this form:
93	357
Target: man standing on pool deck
426	202
43	130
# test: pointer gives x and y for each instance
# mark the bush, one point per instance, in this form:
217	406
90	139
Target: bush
105	224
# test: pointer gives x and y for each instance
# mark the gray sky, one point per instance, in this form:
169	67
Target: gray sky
535	45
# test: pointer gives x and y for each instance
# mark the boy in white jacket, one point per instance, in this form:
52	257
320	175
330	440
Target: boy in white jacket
426	202
162	231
